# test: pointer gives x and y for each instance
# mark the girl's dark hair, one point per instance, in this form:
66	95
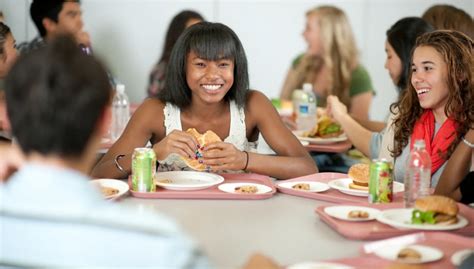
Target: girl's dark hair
175	29
457	50
402	37
210	41
4	32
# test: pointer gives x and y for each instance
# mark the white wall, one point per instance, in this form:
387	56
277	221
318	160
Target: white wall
129	34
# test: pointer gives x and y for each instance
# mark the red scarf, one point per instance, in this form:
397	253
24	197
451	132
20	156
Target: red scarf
424	129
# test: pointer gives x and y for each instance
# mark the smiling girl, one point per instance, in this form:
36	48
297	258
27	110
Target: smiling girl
207	89
437	106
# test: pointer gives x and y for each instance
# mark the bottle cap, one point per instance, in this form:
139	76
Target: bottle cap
419	143
120	88
307	87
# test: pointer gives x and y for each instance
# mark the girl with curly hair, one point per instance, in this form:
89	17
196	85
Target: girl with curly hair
437	106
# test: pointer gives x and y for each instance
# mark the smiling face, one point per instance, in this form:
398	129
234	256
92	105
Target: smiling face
208	80
393	63
312	35
429	78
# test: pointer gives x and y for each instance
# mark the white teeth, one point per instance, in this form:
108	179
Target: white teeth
212	87
421	91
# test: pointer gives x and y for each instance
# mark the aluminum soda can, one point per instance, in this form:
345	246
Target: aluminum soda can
381	181
143	170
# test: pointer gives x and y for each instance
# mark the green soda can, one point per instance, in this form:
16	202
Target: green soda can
143	170
381	181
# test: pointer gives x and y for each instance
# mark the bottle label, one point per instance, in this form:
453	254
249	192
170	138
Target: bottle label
303	109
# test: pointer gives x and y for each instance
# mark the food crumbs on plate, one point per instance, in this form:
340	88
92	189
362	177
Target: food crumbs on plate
358	214
107	191
301	186
246	189
408	254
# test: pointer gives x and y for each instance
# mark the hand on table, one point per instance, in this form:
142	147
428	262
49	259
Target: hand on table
179	142
224	156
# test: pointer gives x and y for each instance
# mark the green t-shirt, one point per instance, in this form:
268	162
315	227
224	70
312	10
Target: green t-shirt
360	79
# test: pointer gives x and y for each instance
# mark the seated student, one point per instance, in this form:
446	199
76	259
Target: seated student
53	18
50	215
207	89
331	63
457	181
8	55
178	24
437	105
401	39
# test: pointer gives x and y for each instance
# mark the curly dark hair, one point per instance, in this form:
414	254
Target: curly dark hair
456	49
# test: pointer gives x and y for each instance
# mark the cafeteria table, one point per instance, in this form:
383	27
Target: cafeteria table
282	227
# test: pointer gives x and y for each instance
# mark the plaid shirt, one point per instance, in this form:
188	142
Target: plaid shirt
34	44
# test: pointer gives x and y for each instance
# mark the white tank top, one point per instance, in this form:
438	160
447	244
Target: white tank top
237	135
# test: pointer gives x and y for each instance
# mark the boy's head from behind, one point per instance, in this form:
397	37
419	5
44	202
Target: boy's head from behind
56	98
209	41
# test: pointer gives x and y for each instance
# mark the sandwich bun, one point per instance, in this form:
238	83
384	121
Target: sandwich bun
446	209
359	173
203	140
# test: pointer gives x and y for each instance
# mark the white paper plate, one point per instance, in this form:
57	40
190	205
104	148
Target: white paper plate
342	185
459	256
187	180
341	212
428	254
318	265
230	187
319	140
401	218
313	186
121	186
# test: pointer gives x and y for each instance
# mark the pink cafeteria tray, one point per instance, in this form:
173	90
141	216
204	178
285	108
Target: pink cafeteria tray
448	243
335	147
372	230
330	195
213	192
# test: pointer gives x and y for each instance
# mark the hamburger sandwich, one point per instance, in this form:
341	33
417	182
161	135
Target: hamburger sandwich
359	173
435	209
324	128
328	128
203	140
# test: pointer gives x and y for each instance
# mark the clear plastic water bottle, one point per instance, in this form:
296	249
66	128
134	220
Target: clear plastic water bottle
306	116
417	174
120	112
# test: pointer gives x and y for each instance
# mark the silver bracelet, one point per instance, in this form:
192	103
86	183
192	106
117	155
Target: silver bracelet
469	144
119	167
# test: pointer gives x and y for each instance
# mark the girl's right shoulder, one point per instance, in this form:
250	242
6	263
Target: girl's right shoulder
150	107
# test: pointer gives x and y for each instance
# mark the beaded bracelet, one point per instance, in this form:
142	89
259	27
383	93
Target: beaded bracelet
246	162
469	144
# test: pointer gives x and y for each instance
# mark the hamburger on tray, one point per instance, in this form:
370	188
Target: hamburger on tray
324	128
435	209
359	173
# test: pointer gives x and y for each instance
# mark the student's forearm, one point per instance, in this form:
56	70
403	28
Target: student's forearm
456	169
373	126
359	136
281	167
108	168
